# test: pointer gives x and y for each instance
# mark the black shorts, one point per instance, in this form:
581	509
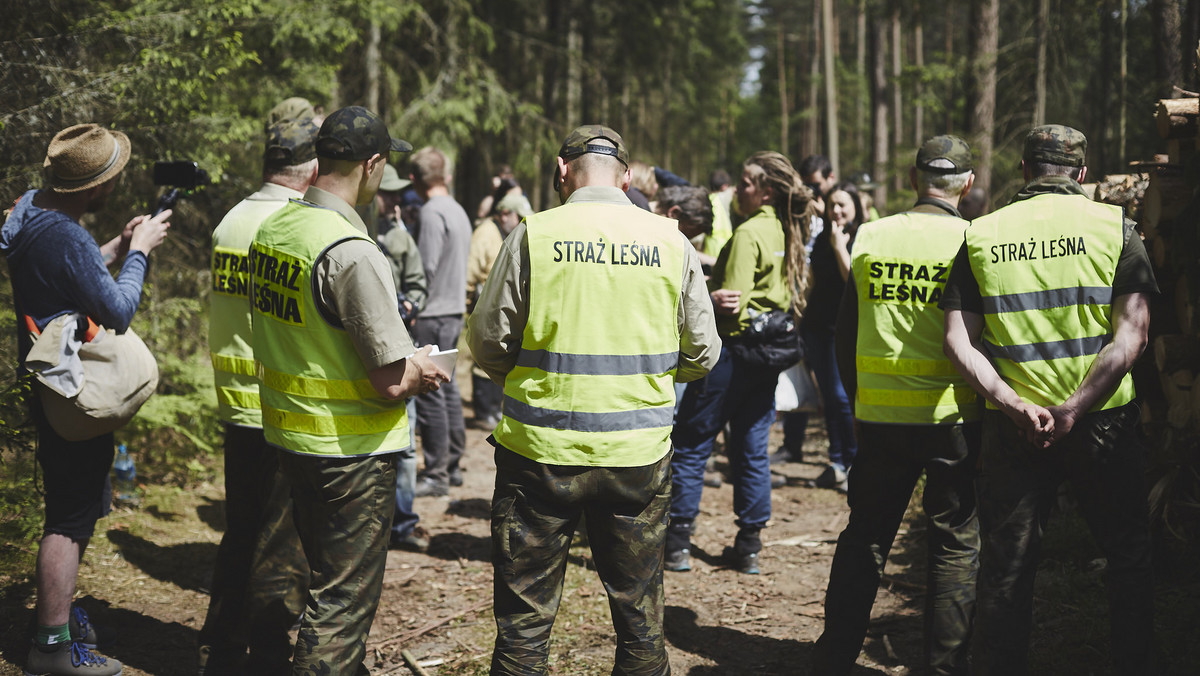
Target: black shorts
75	476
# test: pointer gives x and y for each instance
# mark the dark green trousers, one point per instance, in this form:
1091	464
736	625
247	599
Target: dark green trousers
343	513
890	460
535	511
260	576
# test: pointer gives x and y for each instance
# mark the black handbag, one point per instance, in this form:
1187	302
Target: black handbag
772	340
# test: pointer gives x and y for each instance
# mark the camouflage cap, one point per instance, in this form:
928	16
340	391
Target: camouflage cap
295	108
579	142
1055	144
391	180
355	133
953	151
290	142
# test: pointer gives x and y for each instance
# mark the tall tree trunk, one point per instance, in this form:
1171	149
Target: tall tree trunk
861	87
918	88
1166	40
371	67
813	125
897	93
781	67
1191	34
1123	86
831	116
986	21
879	109
1039	87
951	27
574	82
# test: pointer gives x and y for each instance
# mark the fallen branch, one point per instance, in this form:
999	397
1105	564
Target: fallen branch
742	620
410	635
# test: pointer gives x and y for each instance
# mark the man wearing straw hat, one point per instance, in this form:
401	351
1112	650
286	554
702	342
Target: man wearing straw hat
57	268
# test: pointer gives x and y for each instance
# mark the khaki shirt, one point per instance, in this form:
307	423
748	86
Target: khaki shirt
497	325
354	283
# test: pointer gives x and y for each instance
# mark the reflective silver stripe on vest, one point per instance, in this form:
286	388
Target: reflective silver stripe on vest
617	421
598	364
1059	349
1044	300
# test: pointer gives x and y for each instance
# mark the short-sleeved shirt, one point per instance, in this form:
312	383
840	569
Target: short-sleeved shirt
354	283
1134	272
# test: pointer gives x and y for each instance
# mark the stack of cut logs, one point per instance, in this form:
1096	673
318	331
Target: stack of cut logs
1169	221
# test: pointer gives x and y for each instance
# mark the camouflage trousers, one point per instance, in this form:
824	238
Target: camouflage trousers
535	511
260	576
890	460
343	511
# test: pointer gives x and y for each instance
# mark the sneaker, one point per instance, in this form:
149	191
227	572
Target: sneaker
69	659
417	540
712	480
430	488
81	628
832	477
742	563
679	561
778	480
455	477
783	455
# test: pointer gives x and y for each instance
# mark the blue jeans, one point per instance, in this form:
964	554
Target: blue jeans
839	417
743	396
404	519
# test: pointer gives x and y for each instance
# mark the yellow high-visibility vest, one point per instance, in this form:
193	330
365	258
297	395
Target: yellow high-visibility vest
317	398
1045	268
229	341
900	265
594	381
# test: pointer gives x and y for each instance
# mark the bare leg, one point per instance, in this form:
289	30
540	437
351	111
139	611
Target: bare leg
57	567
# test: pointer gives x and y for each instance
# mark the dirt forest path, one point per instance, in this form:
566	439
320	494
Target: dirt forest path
145	575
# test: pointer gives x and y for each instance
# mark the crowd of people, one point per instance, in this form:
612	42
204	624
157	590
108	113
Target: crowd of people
988	353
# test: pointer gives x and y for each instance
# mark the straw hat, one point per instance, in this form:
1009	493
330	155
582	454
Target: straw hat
84	156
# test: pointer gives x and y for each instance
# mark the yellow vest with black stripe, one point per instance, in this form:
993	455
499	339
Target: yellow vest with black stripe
594	380
1045	268
900	265
229	342
316	395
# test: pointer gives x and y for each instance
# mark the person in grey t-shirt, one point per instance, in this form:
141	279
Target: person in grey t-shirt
444	244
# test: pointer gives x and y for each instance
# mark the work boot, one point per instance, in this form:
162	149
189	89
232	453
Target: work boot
69	659
81	628
743	555
417	540
678	549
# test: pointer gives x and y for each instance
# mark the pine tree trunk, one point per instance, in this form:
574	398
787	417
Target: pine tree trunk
371	67
1167	24
780	64
879	109
831	116
983	113
1043	29
919	89
897	95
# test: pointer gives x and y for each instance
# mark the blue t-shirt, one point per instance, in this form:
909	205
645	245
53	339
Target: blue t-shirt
56	268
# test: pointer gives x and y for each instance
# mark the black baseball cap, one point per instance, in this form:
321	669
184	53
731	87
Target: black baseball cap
355	133
579	142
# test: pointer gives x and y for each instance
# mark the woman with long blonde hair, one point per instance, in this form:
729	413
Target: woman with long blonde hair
759	278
